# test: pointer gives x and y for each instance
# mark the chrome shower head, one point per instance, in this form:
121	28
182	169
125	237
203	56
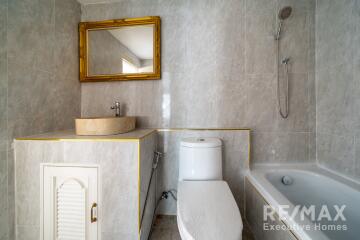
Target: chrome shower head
284	13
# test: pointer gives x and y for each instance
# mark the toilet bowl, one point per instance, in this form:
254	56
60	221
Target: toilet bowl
206	208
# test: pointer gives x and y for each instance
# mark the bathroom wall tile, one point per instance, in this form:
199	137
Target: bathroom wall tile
299	106
312	35
311	88
31	33
357	156
98	12
230	28
3	104
356	76
149	104
292	147
172	14
27	232
11	193
232	89
280	147
337	85
3	87
336	152
3	134
201	54
4	225
263	147
261	102
260	44
3	28
24	84
356	21
336	94
205	102
333	33
67	17
312	147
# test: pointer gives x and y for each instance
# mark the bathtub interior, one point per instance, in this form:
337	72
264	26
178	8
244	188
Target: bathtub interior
312	188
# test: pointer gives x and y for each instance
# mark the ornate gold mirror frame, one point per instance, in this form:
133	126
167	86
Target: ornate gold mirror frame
84	27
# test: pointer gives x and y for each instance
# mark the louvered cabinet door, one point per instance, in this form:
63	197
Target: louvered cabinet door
69	203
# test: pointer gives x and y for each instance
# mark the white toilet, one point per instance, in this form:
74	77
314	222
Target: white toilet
206	208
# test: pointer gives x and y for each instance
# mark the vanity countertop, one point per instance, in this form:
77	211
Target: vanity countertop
69	135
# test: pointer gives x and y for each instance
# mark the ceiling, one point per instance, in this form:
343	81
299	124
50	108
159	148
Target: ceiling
138	39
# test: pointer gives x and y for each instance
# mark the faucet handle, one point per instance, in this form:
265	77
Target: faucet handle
117	108
116	105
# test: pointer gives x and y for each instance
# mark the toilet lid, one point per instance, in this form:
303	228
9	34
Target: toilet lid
207	210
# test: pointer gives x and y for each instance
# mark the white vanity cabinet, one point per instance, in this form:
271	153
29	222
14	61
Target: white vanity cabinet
68	202
61	179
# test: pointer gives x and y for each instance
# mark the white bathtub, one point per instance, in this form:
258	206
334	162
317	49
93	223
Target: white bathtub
311	186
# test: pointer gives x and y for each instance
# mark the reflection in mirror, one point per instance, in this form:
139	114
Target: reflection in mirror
122	50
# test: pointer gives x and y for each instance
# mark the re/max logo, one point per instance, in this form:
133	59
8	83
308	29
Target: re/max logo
312	212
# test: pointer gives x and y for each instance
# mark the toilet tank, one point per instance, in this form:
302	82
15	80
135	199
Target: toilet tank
200	159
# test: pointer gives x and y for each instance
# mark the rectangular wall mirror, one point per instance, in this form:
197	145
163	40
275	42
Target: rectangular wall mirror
122	49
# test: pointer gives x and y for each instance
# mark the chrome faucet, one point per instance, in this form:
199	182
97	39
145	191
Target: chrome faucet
117	108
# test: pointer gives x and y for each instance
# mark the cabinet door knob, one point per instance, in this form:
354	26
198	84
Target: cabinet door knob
93	213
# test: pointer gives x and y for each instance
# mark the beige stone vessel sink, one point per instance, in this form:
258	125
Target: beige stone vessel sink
104	126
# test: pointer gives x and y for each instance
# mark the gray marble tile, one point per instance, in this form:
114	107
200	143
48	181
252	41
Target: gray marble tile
3	134
3	104
24	84
333	32
356	76
311	86
3	28
67	17
4	206
299	105
260	29
31	33
231	89
230	47
280	147
356	23
336	152
336	94
11	193
261	112
27	232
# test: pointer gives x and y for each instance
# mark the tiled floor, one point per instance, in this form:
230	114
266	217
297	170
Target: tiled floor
165	228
